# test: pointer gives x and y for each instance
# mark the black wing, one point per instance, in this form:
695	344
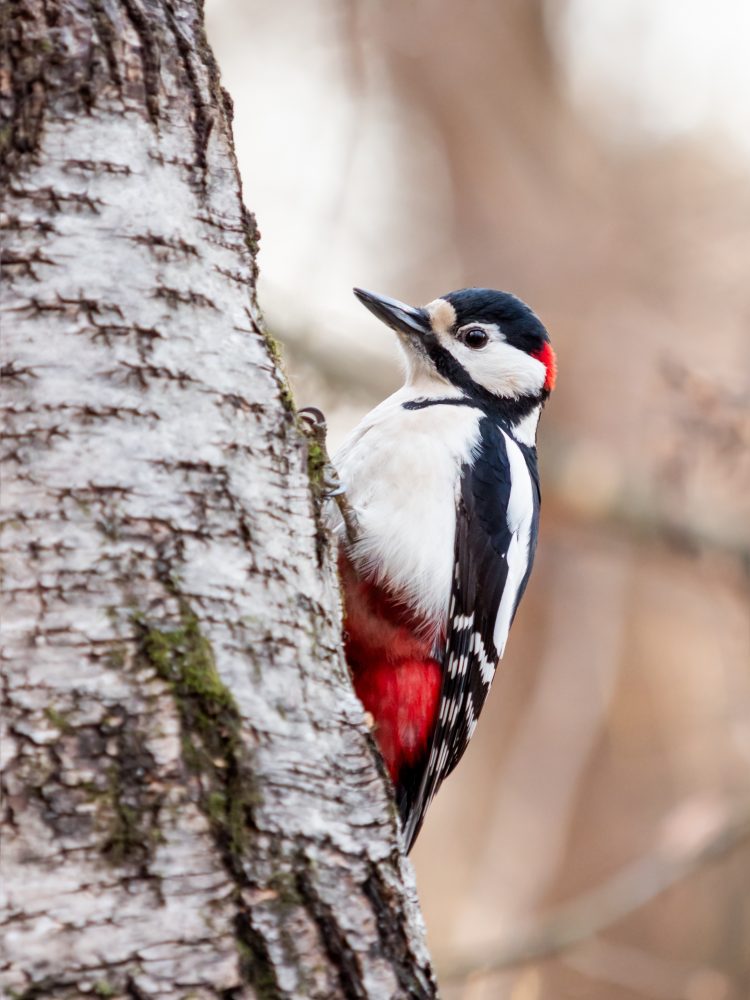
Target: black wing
490	525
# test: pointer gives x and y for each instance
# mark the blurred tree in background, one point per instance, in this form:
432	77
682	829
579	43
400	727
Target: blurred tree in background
454	144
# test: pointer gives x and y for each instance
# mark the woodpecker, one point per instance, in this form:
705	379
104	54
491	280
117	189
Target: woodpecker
442	487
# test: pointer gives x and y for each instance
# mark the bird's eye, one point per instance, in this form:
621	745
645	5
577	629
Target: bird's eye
475	337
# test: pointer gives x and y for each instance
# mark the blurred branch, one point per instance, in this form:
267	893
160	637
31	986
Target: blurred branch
713	418
595	911
643	973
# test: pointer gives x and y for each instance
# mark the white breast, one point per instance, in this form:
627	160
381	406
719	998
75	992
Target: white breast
401	471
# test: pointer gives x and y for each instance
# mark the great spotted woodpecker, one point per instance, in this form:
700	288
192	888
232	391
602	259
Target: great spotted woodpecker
441	479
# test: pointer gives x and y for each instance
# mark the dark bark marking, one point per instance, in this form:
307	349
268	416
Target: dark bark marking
96	167
132	990
342	956
12	373
143	373
165	247
256	964
127	800
144	336
149	55
53	201
394	939
14	224
131	805
23	264
49	986
238	402
237	276
203	113
251	235
176	297
107	35
49	55
73	307
24	56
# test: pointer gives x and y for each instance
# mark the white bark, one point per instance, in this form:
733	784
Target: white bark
193	806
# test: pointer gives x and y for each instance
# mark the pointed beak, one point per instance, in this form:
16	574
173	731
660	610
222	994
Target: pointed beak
415	323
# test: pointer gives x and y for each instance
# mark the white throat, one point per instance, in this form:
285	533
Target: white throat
420	372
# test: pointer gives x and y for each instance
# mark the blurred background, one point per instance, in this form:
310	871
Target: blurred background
594	158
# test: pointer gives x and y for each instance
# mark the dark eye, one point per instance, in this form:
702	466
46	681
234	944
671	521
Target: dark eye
475	337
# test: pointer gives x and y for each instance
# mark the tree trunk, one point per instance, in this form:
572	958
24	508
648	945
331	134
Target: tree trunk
193	805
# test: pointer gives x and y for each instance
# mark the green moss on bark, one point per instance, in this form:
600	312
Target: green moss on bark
214	753
316	461
58	719
211	724
274	349
102	988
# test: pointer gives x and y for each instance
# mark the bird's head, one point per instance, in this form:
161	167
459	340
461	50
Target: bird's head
487	343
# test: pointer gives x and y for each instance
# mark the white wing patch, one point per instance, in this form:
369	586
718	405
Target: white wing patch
520	516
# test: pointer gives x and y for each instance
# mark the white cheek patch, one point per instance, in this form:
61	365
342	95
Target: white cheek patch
503	369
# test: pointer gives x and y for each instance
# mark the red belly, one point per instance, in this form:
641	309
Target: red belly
395	677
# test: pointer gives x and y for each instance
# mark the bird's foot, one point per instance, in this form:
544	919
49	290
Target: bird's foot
323	473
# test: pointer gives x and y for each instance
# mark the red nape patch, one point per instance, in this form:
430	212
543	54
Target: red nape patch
549	359
403	699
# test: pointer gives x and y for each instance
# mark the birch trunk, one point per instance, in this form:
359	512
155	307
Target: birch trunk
192	804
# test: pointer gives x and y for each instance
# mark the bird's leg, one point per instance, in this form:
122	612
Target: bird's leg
323	473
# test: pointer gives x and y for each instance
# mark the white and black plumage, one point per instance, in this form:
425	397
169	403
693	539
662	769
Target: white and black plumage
442	480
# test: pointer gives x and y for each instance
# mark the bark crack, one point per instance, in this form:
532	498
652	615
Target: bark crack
203	114
149	55
342	956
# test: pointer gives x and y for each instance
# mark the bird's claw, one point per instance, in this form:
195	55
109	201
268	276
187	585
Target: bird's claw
330	480
314	419
323	472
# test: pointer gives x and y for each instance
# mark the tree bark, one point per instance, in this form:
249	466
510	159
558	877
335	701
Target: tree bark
193	806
